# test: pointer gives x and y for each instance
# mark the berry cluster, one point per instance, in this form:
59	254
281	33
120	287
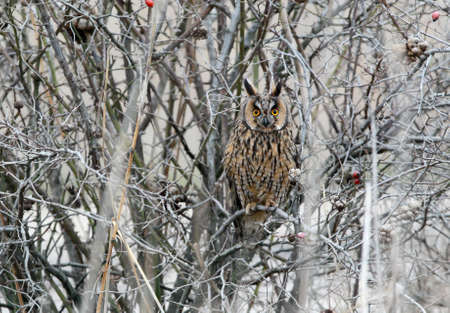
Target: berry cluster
356	177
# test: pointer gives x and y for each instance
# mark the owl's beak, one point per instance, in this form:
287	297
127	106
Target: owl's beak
265	121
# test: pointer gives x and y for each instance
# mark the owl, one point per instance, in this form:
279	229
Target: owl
258	157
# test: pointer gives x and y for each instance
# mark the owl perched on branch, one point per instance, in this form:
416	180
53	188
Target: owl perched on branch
258	157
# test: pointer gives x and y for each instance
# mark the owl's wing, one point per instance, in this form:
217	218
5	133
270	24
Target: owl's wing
230	168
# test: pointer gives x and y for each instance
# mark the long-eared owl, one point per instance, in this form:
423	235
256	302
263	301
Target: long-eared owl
258	157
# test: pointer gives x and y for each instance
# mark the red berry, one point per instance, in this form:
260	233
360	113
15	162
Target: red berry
435	16
292	237
357	181
149	3
355	175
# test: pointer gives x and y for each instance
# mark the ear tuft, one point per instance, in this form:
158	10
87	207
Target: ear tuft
276	91
249	87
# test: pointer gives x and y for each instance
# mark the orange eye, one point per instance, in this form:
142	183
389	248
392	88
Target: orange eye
256	112
275	112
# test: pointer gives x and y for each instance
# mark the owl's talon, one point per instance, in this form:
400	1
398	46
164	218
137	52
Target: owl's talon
271	204
250	208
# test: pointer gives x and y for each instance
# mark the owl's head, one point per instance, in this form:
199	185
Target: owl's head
265	113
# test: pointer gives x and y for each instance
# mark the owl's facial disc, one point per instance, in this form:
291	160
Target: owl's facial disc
264	113
262	116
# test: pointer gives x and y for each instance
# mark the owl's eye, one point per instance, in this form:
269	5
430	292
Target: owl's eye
256	112
275	112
